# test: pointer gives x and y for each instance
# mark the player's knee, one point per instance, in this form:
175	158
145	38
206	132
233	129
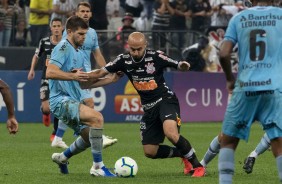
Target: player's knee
173	138
98	121
150	152
89	102
149	155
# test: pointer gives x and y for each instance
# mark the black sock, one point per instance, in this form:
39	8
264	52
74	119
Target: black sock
184	147
165	151
56	122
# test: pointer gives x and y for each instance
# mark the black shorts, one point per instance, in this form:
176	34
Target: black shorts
151	125
44	90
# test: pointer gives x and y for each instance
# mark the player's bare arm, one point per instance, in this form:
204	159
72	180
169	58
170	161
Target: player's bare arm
225	54
31	73
54	72
100	60
94	76
108	79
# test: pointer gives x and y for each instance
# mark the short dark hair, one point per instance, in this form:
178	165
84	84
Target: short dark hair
56	19
83	4
75	22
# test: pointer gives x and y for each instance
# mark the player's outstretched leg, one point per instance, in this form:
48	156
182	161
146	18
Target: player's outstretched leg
78	146
212	151
249	162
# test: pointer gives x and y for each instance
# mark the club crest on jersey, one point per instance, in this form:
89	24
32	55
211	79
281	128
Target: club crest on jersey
150	68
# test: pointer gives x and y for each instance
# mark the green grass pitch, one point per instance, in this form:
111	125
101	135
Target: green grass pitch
26	157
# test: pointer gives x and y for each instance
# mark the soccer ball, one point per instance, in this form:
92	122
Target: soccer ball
126	167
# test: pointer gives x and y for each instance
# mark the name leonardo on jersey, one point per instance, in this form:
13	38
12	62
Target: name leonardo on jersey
255	83
259	20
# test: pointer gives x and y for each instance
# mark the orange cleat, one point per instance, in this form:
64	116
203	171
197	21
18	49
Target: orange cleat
52	136
199	172
46	119
187	166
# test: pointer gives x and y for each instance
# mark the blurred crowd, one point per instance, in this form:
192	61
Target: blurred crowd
24	22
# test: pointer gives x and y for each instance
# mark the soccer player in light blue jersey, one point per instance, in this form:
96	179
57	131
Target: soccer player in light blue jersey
90	46
257	91
65	70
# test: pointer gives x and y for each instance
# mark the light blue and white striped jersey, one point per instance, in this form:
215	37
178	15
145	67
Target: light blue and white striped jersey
257	31
67	58
90	44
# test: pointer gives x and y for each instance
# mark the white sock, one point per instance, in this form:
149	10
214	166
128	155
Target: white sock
98	165
253	154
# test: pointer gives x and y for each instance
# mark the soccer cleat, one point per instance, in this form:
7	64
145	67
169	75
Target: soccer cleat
59	144
63	164
46	119
187	166
108	141
249	164
104	172
199	172
52	136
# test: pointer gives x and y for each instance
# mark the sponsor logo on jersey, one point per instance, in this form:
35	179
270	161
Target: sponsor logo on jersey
125	56
140	70
252	20
255	83
168	59
128	62
152	104
148	59
63	47
257	93
129	70
145	85
151	52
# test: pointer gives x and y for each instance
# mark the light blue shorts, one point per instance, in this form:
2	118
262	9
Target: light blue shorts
68	112
247	107
85	93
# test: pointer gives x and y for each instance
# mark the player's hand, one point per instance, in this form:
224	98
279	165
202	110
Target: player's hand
183	66
12	125
31	75
120	74
80	75
115	76
90	80
230	85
